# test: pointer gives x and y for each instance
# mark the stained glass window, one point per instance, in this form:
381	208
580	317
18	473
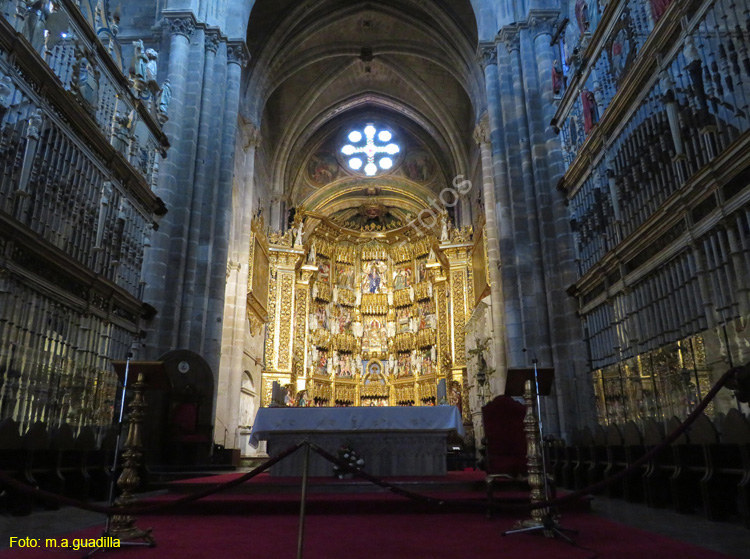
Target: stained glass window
370	149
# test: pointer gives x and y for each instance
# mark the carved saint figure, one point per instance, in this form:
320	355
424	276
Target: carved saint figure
311	254
582	15
165	97
151	67
590	110
344	276
138	64
557	78
658	7
298	233
373	282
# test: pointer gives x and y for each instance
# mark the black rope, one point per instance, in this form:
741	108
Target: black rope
136	509
346	467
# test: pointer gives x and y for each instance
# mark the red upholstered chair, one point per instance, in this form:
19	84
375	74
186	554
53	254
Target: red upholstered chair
505	444
185	422
190	443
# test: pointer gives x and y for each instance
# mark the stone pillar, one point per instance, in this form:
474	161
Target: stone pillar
510	309
482	137
236	60
205	170
208	198
536	332
181	28
235	320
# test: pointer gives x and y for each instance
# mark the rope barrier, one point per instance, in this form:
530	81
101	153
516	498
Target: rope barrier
61	499
346	467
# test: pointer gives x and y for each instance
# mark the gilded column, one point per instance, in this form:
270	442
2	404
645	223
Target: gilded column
301	312
440	289
458	260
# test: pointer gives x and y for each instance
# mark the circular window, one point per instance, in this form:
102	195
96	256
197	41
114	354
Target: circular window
370	149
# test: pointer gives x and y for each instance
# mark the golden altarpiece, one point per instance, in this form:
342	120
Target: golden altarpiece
358	317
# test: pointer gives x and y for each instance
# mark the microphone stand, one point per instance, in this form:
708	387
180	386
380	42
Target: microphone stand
548	524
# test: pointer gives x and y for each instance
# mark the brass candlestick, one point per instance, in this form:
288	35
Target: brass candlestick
534	458
123	526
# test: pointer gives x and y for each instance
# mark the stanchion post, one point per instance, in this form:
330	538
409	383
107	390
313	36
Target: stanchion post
303	500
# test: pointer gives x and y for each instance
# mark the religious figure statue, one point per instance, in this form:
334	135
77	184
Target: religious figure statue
151	68
372	282
398	282
298	233
590	110
6	94
165	97
35	124
445	233
594	14
289	397
302	400
121	137
37	12
138	64
557	78
454	395
416	363
582	15
311	254
483	370
658	7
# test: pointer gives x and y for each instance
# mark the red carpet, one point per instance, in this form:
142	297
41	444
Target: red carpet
385	536
469	476
365	526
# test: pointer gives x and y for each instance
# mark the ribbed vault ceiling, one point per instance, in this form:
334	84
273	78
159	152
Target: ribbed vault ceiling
320	66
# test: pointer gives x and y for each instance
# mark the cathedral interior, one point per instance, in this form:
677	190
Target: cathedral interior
382	203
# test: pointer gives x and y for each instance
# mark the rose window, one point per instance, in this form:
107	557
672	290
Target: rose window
370	150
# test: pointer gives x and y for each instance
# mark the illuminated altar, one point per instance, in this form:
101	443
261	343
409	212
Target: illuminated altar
361	315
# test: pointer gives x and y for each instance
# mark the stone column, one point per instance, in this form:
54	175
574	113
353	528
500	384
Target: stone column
235	308
510	308
482	137
181	28
236	60
208	198
205	170
536	332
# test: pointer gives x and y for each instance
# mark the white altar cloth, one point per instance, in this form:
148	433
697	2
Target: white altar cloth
393	441
396	418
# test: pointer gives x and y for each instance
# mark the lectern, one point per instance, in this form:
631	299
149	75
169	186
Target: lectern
151	375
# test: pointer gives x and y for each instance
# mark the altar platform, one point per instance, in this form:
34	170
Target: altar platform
393	441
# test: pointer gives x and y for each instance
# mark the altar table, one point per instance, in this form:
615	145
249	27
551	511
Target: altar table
393	441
